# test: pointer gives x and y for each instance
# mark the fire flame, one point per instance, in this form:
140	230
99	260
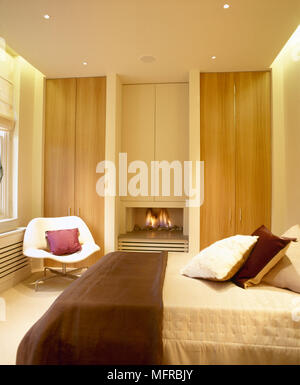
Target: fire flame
160	220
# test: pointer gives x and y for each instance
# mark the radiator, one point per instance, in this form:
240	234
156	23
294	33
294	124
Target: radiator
153	245
14	266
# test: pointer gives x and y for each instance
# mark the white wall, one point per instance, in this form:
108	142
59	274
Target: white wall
286	136
28	140
194	155
112	148
31	136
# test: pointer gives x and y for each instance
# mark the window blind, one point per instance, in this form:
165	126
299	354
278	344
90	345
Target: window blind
6	101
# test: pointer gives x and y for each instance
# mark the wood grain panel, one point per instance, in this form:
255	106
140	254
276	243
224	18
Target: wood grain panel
172	130
59	147
253	152
90	150
217	145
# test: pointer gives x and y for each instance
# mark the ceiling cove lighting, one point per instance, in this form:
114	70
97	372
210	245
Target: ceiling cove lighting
291	50
2	49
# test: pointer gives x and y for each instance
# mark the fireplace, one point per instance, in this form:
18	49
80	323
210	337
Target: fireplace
155	229
119	224
158	219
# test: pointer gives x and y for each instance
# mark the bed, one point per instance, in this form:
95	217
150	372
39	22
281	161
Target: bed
194	322
208	322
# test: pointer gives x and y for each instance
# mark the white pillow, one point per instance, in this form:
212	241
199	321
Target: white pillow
221	260
286	273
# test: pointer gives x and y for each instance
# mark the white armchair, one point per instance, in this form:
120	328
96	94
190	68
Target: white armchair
35	244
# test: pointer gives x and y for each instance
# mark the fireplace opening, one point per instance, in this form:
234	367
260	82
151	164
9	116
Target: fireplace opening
158	220
154	229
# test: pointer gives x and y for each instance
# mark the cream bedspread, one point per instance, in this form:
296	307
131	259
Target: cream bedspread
219	323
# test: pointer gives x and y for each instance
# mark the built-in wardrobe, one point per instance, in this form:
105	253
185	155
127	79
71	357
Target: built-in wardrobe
155	128
235	133
74	144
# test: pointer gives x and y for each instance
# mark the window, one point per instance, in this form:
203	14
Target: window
7	122
5	173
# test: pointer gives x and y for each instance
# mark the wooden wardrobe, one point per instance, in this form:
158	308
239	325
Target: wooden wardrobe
235	134
74	144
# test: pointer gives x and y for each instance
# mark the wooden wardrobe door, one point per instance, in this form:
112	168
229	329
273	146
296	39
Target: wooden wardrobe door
217	148
90	150
59	147
253	151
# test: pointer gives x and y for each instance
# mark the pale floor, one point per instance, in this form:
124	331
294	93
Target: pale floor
24	306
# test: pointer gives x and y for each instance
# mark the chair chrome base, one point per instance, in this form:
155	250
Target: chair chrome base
61	273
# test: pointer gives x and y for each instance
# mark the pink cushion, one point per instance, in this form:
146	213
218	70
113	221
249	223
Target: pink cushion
63	242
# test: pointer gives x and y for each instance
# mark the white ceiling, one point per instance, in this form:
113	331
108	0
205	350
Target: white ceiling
111	35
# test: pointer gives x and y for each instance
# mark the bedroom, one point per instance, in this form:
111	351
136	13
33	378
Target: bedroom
194	107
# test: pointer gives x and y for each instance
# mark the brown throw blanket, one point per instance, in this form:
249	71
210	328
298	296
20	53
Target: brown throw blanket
111	315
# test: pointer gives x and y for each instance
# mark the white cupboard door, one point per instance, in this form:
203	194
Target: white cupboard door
138	119
172	135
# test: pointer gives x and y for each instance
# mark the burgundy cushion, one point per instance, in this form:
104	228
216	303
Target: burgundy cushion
63	242
268	250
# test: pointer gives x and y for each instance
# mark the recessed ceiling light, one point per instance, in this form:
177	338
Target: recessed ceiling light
85	63
214	57
147	58
226	6
47	17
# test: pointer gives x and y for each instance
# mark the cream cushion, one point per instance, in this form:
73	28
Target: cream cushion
286	273
221	260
